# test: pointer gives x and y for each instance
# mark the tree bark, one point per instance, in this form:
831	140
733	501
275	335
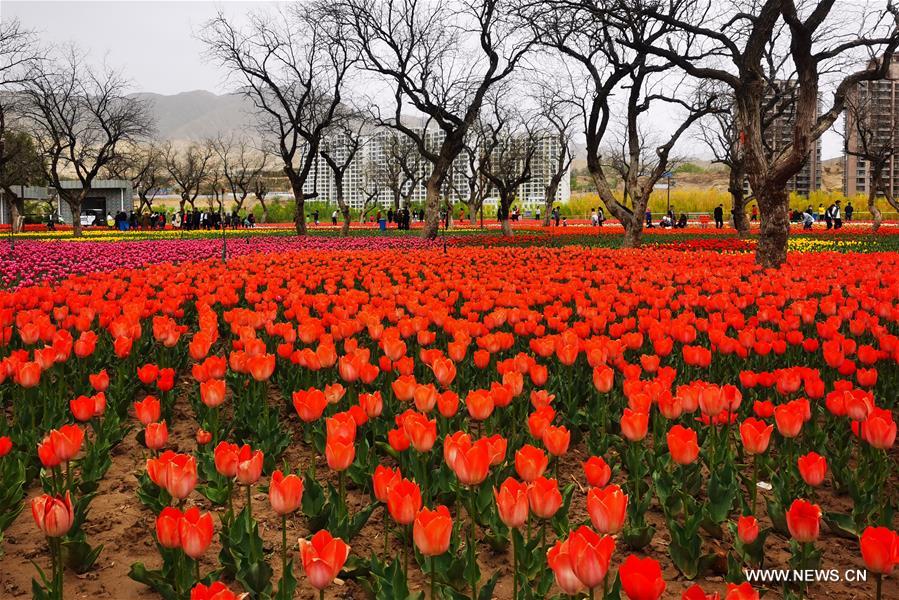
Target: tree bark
76	217
547	216
264	210
299	202
738	208
774	227
506	227
875	212
16	209
633	232
432	205
345	229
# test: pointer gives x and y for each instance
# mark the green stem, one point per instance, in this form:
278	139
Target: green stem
249	501
69	475
341	488
283	545
433	571
472	544
754	492
879	593
321	594
514	568
386	533
230	498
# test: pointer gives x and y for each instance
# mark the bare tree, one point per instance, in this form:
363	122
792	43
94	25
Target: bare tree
241	165
260	190
607	39
478	184
726	42
510	140
188	168
558	112
370	186
873	137
402	171
143	164
292	66
442	58
81	117
339	150
18	54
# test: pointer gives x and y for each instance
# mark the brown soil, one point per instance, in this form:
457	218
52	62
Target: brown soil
125	528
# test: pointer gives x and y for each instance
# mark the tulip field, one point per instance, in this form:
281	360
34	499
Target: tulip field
390	418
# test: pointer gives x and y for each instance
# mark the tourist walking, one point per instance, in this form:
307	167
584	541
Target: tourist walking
719	216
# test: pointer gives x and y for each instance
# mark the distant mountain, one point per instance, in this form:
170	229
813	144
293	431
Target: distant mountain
198	114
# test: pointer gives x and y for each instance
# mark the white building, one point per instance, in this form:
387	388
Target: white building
372	158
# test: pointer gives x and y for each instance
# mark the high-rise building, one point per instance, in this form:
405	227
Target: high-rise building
372	159
779	134
878	102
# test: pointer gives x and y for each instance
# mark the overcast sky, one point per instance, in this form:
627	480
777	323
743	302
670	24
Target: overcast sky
153	42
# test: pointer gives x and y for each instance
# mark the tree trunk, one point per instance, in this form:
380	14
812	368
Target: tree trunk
774	227
633	231
506	227
299	202
432	205
345	229
472	212
872	208
16	210
76	218
738	209
264	210
548	207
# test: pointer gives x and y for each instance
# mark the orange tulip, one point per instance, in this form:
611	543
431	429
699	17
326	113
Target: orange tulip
479	404
756	435
249	465
444	371
156	435
214	591
53	515
28	375
212	392
341	428
789	419
323	557
225	456
309	404
168	527
148	410
597	471
431	531
530	463
404	501
560	560
747	529
421	431
804	521
880	549
641	578
99	381
634	425
603	379
556	440
383	479
512	502
544	497
813	468
340	455
607	508
590	555
285	493
682	445
471	463
196	531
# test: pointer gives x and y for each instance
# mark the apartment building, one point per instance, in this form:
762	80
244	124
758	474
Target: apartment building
878	102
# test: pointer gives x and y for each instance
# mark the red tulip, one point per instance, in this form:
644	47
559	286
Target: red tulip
53	515
471	463
607	508
789	419
82	408
383	479
99	381
404	501
590	555
340	455
479	404
744	591
309	404
512	502
285	493
215	591
756	435
5	445
323	557
341	428
880	549
156	435
225	456
421	431
695	592
261	367
147	373
196	532
65	442
556	440
148	410
634	425
168	527
804	521
203	437
683	445
530	462
747	529
879	429
176	473
431	531
372	404
597	471
641	579
603	379
212	392
544	497
812	467
561	562
249	465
